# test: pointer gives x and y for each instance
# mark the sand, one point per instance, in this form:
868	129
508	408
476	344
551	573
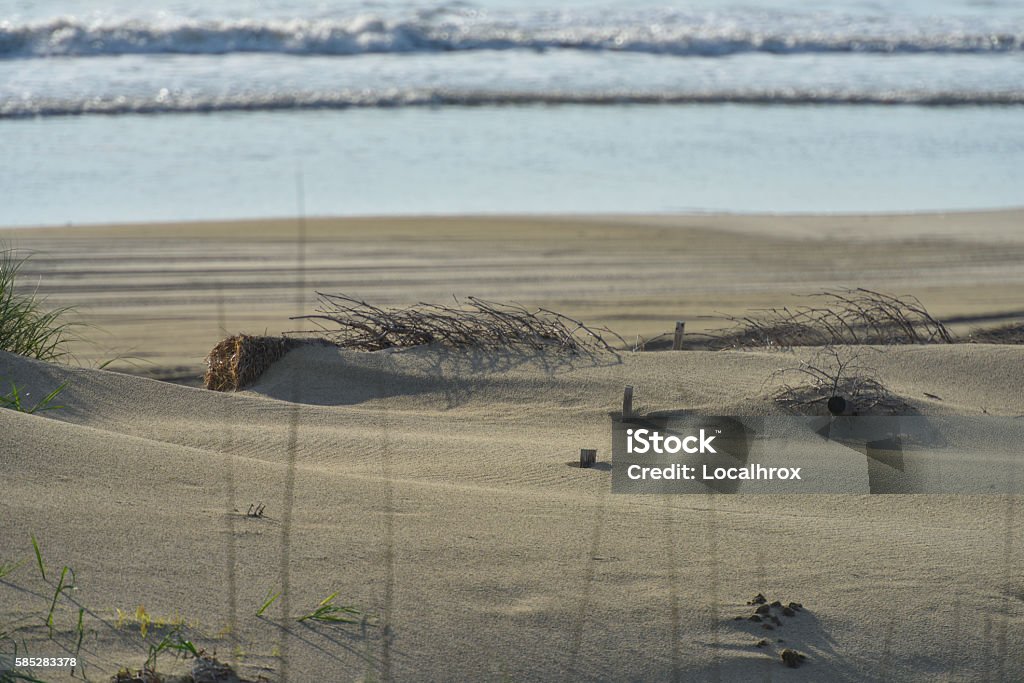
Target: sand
163	295
432	488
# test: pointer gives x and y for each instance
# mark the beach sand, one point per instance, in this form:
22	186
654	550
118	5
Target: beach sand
433	490
163	295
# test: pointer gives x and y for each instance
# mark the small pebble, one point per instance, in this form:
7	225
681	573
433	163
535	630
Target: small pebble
763	609
754	617
762	643
788	611
776	604
759	599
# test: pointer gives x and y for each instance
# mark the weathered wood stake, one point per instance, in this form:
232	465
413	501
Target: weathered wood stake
588	456
677	341
627	402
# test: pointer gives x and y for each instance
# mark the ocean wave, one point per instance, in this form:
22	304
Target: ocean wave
165	104
671	34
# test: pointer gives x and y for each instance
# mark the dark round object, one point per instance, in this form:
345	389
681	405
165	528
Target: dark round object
792	658
837	405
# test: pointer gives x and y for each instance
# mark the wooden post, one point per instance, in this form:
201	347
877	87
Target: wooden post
588	456
627	402
677	341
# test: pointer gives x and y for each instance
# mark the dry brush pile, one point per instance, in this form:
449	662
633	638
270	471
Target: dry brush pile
832	373
241	359
843	317
354	324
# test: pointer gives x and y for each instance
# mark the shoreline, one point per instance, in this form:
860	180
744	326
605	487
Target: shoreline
989	217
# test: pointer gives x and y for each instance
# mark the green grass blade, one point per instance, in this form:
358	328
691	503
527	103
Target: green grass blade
56	594
327	612
80	630
267	602
44	404
8	568
25	328
39	556
328	599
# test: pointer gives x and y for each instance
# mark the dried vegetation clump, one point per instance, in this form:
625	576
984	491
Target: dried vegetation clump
350	323
844	317
354	324
240	360
833	373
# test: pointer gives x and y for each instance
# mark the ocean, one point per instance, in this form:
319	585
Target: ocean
127	111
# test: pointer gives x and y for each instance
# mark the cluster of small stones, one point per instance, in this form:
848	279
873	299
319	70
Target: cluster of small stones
765	614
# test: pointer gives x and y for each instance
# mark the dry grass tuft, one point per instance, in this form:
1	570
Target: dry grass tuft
847	317
240	360
832	372
354	324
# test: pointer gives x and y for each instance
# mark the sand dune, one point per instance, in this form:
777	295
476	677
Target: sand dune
431	489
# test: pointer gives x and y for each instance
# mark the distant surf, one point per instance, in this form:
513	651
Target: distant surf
677	34
363	54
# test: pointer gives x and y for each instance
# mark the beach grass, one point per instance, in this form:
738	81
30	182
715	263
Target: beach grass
39	557
267	602
14	400
8	568
26	327
327	612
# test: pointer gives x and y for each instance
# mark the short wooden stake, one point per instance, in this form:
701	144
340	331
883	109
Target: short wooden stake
627	402
677	341
588	456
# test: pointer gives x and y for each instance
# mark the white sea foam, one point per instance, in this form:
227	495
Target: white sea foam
507	54
648	32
